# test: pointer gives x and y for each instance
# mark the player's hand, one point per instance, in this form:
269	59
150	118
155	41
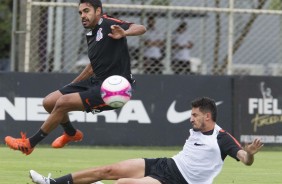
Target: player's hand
117	32
254	147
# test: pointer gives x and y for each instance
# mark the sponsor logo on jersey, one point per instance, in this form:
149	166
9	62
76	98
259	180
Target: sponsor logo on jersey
198	144
99	35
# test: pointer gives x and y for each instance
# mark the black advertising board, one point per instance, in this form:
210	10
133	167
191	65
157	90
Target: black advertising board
157	115
258	109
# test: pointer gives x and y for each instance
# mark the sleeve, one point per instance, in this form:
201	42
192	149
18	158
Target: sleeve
228	145
123	24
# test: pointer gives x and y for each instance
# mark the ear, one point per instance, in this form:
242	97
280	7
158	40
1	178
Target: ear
98	11
208	116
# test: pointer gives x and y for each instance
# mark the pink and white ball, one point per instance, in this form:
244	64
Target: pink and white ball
116	91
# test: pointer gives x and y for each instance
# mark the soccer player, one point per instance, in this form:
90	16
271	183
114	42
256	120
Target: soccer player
108	54
199	162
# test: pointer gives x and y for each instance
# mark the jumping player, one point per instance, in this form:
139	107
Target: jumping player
199	162
108	54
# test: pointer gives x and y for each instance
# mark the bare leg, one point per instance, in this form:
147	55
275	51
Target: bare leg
63	105
144	180
134	168
50	101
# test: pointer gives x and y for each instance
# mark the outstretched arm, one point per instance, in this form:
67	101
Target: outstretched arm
247	155
134	30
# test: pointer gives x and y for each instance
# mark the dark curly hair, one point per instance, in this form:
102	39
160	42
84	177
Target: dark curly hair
206	104
95	3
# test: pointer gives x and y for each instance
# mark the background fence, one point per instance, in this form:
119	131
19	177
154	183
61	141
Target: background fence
241	37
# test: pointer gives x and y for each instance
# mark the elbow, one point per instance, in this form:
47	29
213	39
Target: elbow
249	163
143	29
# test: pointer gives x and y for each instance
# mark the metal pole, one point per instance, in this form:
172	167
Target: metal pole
27	37
13	35
49	35
230	37
167	69
203	43
58	38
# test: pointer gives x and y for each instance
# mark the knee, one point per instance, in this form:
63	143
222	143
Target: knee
108	172
50	100
48	104
61	104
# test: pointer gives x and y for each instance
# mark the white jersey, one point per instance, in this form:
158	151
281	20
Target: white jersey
200	160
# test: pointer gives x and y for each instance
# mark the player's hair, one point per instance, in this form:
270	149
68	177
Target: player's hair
95	3
206	104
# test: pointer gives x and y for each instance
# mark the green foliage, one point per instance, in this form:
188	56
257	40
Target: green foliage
161	2
275	5
5	27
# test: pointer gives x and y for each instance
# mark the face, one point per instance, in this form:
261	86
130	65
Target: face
89	17
198	120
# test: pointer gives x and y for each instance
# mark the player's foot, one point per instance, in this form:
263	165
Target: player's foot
21	144
38	178
65	139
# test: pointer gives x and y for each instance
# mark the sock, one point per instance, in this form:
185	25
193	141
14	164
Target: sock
36	138
67	179
68	128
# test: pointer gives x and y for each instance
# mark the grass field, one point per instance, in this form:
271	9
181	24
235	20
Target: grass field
14	166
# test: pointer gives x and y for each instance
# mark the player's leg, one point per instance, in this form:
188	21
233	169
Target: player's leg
70	133
50	100
133	168
59	114
144	180
91	101
49	104
65	104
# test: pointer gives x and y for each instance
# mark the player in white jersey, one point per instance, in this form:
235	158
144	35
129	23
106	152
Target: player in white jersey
199	162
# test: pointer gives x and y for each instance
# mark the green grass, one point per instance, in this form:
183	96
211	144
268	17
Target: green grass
14	166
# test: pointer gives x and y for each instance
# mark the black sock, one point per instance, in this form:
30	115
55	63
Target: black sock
67	179
36	138
68	128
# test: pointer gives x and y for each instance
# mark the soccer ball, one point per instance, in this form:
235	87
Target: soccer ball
116	91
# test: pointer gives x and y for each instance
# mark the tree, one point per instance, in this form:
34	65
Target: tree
5	27
243	34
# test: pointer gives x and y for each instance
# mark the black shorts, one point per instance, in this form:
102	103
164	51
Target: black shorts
164	170
89	91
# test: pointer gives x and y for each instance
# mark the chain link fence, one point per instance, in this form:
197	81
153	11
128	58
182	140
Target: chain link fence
203	37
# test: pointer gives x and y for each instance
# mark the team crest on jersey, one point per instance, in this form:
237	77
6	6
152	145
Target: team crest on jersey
99	35
89	33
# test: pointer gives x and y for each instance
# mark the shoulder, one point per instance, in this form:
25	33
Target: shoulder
228	144
227	137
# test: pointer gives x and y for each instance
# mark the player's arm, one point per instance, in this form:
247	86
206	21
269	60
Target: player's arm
133	30
86	73
246	155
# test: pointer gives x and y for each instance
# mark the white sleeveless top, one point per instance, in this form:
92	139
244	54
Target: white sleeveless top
200	160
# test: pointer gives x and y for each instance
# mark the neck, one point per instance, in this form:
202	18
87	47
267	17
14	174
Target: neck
209	127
